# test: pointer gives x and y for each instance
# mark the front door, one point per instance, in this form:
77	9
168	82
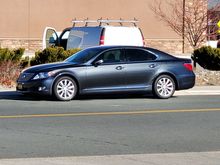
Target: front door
109	75
50	37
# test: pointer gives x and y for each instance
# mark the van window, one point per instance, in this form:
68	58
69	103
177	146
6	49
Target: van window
84	37
138	55
63	38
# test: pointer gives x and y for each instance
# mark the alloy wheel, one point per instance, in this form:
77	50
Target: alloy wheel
164	86
65	89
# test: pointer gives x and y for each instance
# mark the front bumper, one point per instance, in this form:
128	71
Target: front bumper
43	86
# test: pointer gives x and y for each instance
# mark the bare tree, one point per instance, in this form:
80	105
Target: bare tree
188	18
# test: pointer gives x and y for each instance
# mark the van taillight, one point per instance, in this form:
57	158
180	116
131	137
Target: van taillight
188	66
143	42
142	37
102	37
102	40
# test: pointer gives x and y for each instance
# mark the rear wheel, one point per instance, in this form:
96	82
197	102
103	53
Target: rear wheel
65	88
164	87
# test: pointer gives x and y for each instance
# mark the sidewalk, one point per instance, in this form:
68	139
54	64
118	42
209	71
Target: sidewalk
200	90
200	158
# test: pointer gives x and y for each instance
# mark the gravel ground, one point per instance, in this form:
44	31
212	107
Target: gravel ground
206	77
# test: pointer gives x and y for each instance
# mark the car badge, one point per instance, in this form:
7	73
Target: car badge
23	76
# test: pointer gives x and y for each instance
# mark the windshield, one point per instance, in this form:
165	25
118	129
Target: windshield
84	55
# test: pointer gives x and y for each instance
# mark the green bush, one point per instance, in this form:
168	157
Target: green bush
11	55
207	57
52	54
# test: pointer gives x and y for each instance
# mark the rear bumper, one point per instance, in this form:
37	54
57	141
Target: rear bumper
186	81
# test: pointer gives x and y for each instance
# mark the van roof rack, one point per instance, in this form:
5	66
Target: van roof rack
104	21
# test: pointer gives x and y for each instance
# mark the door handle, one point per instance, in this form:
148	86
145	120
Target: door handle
152	65
119	67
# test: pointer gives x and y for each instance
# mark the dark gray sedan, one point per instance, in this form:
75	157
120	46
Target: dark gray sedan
109	69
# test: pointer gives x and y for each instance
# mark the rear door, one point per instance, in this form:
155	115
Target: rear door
123	36
50	37
141	67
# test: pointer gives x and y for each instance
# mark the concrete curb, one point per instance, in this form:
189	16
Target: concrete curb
200	90
199	158
197	90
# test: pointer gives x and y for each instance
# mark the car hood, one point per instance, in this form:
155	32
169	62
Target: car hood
50	67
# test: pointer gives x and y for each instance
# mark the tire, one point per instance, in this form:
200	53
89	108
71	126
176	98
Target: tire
65	88
164	87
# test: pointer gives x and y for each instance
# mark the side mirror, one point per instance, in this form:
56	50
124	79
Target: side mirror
97	63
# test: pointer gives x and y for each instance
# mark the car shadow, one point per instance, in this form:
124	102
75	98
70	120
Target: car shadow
13	95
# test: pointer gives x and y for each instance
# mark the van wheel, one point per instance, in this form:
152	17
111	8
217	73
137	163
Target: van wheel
65	88
164	87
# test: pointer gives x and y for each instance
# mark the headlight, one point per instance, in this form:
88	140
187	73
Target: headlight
43	75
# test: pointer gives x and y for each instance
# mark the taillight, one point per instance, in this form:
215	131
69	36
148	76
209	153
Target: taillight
143	41
102	40
142	37
102	37
188	66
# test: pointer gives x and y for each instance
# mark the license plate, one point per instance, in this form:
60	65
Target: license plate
19	86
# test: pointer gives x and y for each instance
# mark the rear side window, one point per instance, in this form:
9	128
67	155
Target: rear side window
112	56
138	55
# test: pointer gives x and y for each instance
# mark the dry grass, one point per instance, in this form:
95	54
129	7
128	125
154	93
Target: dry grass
9	72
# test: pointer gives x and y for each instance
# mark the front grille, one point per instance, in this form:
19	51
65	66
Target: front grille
25	76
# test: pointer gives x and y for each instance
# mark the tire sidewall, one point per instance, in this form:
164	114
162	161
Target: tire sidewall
55	88
156	93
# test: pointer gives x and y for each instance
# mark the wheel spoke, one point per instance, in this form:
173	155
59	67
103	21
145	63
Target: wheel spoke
165	87
65	89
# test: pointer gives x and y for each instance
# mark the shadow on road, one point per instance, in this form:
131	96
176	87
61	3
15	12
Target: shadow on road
13	95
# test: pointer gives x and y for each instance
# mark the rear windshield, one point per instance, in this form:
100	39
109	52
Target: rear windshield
160	53
84	55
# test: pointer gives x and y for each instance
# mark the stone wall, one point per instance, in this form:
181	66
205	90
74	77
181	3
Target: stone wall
173	46
28	44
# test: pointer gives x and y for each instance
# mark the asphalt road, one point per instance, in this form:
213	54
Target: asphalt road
107	125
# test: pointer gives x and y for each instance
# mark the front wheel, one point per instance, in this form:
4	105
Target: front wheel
164	87
65	88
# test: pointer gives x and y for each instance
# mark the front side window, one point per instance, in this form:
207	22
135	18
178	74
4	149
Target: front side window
138	55
84	55
112	56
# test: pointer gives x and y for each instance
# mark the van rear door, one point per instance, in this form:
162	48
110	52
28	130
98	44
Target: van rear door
122	35
50	37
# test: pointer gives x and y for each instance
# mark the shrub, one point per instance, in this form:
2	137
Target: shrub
10	65
52	54
11	55
9	72
207	57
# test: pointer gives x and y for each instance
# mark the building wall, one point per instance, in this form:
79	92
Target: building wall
23	21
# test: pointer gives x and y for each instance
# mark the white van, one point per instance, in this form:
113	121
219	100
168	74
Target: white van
87	36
